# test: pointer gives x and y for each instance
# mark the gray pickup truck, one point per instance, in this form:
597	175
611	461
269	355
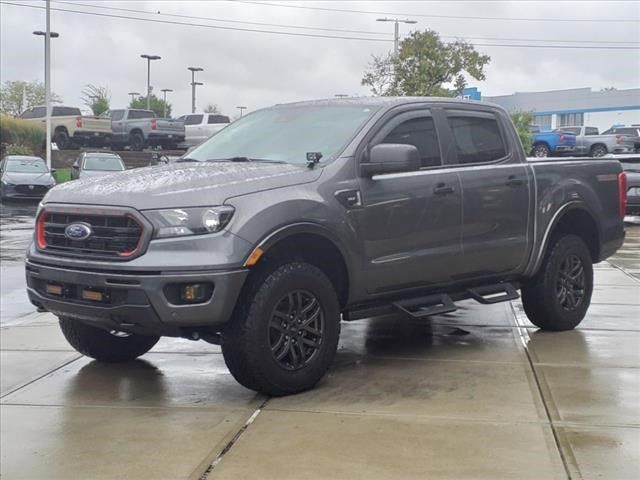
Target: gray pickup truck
590	142
140	128
297	216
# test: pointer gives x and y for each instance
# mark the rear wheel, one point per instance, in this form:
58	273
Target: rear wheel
284	332
137	142
598	151
558	297
62	140
540	150
105	346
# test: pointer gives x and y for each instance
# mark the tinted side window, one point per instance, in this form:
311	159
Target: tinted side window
476	139
421	133
64	111
591	131
27	113
218	119
193	120
117	115
137	114
39	112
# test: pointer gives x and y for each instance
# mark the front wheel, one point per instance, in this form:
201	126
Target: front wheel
558	297
598	151
540	150
283	334
105	346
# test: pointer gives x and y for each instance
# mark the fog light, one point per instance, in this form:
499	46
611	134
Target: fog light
194	293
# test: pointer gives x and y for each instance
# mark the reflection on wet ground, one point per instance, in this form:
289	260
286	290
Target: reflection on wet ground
476	394
16	228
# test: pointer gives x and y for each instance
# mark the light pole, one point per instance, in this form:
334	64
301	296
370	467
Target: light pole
242	109
396	37
193	86
149	58
133	95
48	35
164	101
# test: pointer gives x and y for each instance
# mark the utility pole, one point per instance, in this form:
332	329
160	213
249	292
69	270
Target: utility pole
149	58
396	36
48	35
193	86
133	95
242	109
164	101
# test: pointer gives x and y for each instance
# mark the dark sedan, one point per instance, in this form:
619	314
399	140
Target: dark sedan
23	176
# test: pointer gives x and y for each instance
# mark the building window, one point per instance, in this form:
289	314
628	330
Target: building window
570	119
543	121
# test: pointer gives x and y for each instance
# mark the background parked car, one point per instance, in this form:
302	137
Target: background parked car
590	142
70	128
24	176
632	167
553	142
96	164
140	128
200	126
632	130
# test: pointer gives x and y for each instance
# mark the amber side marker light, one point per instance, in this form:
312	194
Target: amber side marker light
93	296
254	257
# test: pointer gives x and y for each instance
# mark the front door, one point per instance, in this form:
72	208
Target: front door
410	222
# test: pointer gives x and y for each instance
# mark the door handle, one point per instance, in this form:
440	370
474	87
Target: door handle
442	189
513	181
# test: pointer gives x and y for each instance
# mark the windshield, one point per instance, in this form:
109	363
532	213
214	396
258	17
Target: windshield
26	166
106	164
286	134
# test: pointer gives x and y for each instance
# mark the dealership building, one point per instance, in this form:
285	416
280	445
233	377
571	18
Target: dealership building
576	106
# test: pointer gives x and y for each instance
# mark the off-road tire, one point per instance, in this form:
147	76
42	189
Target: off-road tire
541	297
62	140
598	151
540	151
103	346
246	339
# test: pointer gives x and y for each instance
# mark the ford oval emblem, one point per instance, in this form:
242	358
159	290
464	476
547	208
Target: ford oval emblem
78	231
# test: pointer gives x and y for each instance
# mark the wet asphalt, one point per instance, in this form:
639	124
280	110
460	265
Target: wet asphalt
476	394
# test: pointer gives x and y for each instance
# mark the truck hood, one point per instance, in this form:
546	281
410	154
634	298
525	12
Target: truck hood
181	184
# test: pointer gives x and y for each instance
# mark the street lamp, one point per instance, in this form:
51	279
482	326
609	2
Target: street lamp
193	86
133	95
149	58
164	101
396	37
242	109
48	35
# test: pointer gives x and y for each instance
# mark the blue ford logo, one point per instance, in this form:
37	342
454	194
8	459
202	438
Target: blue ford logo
78	231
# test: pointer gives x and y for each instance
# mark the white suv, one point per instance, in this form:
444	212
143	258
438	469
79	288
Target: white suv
200	126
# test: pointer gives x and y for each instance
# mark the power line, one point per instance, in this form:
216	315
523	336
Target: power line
309	27
312	35
430	15
246	22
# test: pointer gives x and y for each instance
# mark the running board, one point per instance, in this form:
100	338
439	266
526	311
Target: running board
488	294
426	306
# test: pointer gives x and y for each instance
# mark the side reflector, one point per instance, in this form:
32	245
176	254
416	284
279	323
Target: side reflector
622	193
254	257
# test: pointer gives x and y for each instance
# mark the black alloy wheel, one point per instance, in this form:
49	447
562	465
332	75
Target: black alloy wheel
570	285
296	329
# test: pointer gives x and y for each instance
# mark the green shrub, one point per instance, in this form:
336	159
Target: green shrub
63	175
523	121
17	133
12	149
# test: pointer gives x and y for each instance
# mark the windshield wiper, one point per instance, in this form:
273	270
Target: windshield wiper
244	159
187	159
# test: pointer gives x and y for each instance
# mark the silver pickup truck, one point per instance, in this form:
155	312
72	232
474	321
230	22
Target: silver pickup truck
140	128
590	142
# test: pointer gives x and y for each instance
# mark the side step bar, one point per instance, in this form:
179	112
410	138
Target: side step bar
488	294
426	306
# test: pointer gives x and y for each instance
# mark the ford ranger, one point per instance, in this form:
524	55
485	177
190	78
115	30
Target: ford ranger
297	216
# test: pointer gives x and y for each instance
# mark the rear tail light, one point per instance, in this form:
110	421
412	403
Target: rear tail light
40	240
618	139
561	138
154	124
78	122
622	193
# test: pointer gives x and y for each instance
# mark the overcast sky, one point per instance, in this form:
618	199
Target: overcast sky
260	69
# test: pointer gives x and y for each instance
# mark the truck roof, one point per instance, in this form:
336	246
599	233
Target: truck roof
388	101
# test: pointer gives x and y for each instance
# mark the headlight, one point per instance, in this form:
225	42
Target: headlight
178	222
7	184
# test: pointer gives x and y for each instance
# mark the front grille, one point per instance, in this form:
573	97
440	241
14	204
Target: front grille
31	189
111	235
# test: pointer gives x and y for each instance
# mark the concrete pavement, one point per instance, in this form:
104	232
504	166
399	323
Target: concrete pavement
478	394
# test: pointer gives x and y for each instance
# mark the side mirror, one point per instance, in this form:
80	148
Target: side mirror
53	170
75	167
390	158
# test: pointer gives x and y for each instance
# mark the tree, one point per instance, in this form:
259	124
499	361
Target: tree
157	105
425	66
211	108
96	98
523	121
17	96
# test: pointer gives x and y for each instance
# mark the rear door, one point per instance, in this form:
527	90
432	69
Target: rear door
410	222
496	193
118	126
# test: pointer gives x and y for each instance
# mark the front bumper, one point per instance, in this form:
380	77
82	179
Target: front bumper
138	302
24	191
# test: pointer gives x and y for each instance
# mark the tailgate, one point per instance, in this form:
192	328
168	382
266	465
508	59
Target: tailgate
170	126
96	124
